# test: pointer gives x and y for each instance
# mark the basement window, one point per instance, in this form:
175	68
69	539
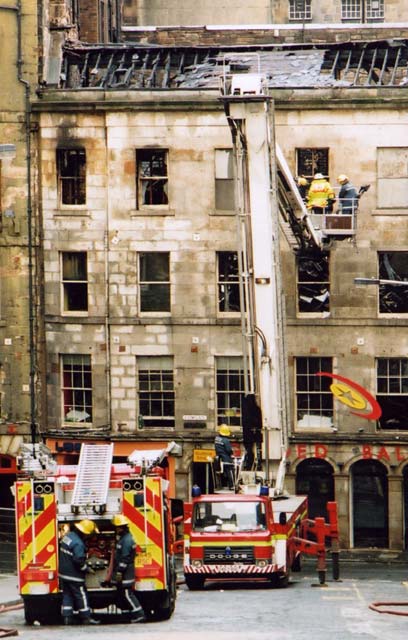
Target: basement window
74	282
313	283
312	160
224	180
76	388
71	171
228	282
392	392
154	282
152	177
393	265
300	10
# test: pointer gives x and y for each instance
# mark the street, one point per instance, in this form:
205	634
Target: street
337	611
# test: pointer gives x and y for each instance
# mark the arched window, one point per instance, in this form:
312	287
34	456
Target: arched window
314	478
369	503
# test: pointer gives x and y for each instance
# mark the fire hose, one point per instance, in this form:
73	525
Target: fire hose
376	606
7	633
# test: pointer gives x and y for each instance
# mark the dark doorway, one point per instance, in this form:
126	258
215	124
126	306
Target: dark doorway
203	476
314	478
405	489
369	504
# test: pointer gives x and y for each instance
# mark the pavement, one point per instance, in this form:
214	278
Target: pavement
9	595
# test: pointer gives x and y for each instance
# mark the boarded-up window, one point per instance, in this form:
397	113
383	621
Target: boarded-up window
392	171
224	180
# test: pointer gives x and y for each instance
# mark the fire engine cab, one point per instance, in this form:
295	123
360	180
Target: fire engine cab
50	499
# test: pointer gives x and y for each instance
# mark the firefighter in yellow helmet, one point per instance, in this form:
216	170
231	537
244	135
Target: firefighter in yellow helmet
72	571
123	573
303	186
320	197
348	196
224	452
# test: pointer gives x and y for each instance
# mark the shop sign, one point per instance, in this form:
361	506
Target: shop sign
353	395
203	455
392	454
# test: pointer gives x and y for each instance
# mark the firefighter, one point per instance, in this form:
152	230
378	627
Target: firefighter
72	572
123	573
348	196
303	187
320	197
223	450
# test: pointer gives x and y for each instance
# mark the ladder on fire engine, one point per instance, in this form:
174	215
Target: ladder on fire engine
92	481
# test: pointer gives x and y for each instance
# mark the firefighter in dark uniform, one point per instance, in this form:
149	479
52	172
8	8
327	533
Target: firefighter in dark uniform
223	450
72	571
123	573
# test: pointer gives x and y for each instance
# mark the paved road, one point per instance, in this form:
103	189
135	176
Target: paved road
338	611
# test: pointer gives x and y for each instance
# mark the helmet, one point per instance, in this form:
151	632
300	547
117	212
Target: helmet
302	182
87	527
342	178
224	430
318	176
120	520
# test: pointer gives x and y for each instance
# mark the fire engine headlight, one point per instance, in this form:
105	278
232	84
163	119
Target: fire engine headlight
261	563
197	564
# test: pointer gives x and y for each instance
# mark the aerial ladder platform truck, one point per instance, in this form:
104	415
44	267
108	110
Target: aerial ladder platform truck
50	498
258	531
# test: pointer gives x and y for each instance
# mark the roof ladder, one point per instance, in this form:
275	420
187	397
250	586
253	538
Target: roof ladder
92	481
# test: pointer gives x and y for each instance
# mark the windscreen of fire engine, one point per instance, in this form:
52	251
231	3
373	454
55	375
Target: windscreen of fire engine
229	516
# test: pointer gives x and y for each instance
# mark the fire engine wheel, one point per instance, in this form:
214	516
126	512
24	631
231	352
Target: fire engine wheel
279	580
194	583
297	564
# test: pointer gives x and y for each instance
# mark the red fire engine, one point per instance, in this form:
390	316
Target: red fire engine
50	498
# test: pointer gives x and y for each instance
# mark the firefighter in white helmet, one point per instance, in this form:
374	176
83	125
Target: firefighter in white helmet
224	451
72	571
123	574
320	197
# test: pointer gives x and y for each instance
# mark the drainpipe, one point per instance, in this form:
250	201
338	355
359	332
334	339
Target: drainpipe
31	315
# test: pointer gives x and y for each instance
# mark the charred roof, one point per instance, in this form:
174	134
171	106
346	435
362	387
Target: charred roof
132	66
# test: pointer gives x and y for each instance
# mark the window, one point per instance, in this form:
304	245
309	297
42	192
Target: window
74	281
313	287
152	179
392	177
393	265
314	400
362	10
392	392
300	9
224	180
311	161
154	270
156	391
76	388
228	282
229	389
71	168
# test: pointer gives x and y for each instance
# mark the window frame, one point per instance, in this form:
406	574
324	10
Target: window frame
225	184
297	15
386	171
78	181
322	388
233	368
311	284
394	292
155	366
385	398
221	283
84	360
66	283
140	179
317	165
151	283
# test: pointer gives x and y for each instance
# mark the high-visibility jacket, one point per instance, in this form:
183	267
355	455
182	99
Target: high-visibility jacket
320	192
72	558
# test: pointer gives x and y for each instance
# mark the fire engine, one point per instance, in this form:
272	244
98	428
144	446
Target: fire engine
259	531
49	498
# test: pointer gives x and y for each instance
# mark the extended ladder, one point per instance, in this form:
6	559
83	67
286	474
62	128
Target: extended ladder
92	481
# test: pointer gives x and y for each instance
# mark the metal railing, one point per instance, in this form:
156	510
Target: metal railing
7	540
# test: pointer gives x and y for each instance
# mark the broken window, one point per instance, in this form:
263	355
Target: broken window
224	180
229	389
152	178
392	176
362	10
300	9
313	283
154	281
228	282
314	400
74	281
76	388
311	161
71	168
156	391
393	265
392	392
